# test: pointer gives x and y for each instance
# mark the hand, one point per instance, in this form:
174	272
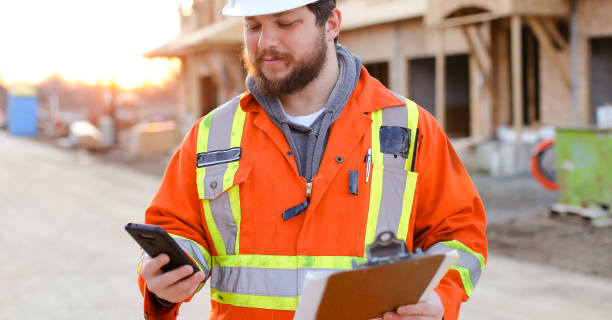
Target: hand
170	285
428	309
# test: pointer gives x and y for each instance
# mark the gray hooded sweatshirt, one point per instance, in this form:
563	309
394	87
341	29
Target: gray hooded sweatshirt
308	143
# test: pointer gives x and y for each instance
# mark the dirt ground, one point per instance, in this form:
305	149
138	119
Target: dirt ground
562	241
66	256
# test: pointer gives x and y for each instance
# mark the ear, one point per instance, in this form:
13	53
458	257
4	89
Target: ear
332	26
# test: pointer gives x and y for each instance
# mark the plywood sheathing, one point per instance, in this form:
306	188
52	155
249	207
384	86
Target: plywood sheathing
439	10
398	42
226	32
363	13
376	43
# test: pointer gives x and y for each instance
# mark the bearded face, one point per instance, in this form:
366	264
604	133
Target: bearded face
302	71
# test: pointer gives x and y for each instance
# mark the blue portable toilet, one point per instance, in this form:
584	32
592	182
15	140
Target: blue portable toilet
22	111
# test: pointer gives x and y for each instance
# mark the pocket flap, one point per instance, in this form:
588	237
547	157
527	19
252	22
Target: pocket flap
221	177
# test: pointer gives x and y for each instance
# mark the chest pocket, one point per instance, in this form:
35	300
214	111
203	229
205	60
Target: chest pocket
393	188
220	195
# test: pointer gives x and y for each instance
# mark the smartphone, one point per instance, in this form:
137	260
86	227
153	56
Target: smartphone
155	240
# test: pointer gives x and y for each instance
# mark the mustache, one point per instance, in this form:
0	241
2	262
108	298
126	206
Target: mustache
271	54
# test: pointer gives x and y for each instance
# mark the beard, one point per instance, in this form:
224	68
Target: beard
301	75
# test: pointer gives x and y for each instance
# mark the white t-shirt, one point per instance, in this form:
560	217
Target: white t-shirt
306	120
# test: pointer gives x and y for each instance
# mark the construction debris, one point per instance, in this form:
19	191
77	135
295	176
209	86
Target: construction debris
85	135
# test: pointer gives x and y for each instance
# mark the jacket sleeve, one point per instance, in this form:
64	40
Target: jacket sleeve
176	207
448	212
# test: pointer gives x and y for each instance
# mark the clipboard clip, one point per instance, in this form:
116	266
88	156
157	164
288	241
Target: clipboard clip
387	249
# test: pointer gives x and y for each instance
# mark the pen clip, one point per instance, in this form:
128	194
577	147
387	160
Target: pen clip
368	161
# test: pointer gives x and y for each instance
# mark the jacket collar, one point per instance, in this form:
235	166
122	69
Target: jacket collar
369	95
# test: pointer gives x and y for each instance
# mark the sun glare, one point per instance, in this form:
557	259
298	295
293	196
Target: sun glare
87	41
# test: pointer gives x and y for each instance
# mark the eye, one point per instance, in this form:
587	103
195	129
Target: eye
252	27
286	25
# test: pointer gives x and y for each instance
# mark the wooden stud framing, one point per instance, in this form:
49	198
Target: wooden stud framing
503	109
517	76
441	79
482	59
470	19
546	43
555	34
531	79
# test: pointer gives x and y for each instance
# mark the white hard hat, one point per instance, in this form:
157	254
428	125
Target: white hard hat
246	8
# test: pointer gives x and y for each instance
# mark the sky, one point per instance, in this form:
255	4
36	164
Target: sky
86	40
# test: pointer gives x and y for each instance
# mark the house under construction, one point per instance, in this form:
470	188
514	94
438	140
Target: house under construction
475	64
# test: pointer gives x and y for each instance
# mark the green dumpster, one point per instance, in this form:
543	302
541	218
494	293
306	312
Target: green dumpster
584	173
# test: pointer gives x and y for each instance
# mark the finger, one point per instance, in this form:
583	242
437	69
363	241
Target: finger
152	266
395	316
186	284
185	288
419	309
169	278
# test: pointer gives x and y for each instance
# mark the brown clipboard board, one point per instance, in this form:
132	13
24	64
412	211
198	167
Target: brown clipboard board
369	292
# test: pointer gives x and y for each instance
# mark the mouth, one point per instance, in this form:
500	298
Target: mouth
270	61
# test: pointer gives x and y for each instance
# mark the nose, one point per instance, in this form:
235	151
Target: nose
267	38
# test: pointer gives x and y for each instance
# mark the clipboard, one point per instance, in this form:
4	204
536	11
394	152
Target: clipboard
392	277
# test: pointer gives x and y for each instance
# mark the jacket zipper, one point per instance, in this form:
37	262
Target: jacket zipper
308	189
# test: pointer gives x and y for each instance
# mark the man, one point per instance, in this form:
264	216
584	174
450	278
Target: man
302	172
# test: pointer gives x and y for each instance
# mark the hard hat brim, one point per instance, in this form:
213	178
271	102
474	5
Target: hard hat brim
259	10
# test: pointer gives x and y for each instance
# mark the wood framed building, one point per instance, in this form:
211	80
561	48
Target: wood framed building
475	64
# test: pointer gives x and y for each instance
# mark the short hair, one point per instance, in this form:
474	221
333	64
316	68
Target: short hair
322	9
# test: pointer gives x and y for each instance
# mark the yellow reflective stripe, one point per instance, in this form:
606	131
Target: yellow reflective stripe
413	123
287	262
255	301
235	140
228	177
202	146
203	131
141	261
460	246
465	278
376	176
212	228
402	229
230	172
237	126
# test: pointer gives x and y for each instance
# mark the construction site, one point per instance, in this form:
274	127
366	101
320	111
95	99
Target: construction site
523	89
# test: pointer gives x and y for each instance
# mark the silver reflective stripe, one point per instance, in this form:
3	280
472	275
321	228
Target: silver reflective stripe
219	138
394	176
221	126
260	281
194	251
224	219
466	260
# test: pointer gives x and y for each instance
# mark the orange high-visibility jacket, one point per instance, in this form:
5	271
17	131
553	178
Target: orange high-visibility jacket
224	192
